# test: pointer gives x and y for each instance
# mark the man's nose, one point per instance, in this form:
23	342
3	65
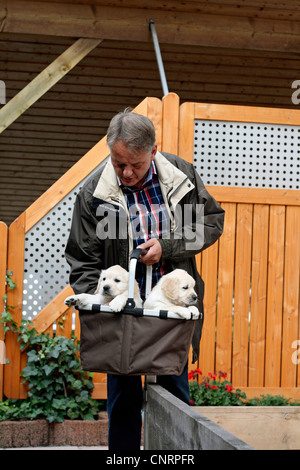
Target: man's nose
127	172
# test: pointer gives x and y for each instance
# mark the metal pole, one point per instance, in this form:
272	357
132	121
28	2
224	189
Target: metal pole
158	58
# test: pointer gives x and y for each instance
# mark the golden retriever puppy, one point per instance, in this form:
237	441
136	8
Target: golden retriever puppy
112	290
174	292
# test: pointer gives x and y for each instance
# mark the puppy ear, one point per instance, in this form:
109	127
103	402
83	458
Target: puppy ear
98	285
136	288
169	288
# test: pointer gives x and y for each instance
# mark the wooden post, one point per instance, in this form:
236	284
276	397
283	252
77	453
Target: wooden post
3	267
275	296
242	294
259	266
291	295
225	291
15	263
170	124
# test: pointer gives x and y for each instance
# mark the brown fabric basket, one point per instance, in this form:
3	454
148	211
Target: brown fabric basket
128	345
131	343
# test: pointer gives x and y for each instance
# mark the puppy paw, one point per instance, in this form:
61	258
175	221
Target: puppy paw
194	312
183	312
72	300
81	300
117	304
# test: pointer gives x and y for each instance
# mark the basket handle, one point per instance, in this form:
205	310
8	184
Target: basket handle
137	252
132	267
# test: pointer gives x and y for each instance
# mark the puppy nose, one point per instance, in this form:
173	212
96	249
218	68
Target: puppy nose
195	297
106	288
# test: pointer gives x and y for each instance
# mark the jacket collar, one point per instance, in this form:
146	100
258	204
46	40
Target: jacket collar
174	182
107	187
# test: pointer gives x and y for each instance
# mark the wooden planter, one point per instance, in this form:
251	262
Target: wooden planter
39	433
262	427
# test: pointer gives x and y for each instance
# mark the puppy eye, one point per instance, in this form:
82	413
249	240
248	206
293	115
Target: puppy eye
117	280
185	287
104	278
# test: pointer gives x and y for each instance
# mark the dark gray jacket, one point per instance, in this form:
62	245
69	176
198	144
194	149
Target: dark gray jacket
101	198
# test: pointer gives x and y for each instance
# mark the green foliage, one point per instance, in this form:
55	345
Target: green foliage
6	316
58	388
272	400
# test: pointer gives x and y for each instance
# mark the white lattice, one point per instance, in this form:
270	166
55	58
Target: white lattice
247	154
46	272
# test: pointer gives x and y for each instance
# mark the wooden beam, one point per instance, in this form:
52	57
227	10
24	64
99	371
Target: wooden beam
173	26
45	80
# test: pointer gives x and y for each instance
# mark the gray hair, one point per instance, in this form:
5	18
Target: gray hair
134	130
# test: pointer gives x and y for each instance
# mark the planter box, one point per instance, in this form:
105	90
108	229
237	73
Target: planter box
262	427
39	433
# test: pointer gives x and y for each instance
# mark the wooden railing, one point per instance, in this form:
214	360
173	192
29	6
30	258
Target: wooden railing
251	274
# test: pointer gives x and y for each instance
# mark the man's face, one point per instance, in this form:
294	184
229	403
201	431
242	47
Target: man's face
130	167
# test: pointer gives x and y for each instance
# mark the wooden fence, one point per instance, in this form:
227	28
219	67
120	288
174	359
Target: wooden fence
251	274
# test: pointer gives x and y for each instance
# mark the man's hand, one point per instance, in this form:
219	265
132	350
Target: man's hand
154	252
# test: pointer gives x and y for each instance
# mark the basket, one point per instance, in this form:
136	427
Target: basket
135	341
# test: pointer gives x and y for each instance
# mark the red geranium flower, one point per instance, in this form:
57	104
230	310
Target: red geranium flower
193	374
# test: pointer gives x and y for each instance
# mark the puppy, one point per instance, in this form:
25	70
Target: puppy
174	292
112	290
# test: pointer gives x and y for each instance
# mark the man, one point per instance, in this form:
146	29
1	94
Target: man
152	195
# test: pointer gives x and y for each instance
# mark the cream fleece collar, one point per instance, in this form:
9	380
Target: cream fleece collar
173	181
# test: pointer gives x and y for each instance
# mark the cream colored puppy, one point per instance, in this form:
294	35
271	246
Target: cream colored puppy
174	292
112	290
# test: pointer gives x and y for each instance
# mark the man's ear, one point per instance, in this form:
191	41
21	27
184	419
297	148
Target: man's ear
153	151
170	288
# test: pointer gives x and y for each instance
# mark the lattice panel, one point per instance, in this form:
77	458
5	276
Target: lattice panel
247	154
46	271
